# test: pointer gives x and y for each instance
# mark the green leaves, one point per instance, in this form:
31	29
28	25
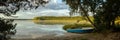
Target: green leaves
104	11
13	6
6	25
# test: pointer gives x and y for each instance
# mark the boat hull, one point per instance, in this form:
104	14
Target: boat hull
80	30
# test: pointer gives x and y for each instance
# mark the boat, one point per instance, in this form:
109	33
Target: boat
82	30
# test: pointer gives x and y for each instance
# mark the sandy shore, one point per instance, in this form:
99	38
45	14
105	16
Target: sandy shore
72	36
67	36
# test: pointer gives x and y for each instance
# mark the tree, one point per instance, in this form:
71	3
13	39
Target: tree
104	11
11	7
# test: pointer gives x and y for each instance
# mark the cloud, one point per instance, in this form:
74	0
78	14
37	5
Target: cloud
63	12
51	9
54	1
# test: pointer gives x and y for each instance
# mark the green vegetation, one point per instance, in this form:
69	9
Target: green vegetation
83	23
104	12
11	7
54	21
60	18
74	26
70	22
77	25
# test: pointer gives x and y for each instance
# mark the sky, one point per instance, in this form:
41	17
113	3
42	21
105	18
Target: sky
53	8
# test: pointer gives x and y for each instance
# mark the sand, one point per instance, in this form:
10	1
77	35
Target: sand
67	36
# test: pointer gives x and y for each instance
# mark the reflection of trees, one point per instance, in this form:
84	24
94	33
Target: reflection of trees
11	7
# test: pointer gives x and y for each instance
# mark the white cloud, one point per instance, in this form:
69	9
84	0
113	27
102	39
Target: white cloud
55	1
51	9
50	12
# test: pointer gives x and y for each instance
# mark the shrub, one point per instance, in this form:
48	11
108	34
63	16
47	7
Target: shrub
73	26
6	28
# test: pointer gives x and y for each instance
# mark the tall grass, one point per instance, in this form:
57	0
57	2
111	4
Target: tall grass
77	25
61	18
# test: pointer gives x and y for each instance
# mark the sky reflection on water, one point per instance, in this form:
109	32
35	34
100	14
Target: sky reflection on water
28	29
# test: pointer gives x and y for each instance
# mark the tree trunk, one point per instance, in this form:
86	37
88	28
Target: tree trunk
113	23
86	14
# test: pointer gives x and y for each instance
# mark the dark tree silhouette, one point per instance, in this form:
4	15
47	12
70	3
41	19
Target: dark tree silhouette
11	7
104	11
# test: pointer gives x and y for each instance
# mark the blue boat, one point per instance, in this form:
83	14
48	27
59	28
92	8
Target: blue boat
82	30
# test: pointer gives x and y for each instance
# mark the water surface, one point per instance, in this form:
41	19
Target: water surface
28	29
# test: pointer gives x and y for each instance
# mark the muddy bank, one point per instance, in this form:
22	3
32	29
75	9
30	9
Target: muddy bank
70	36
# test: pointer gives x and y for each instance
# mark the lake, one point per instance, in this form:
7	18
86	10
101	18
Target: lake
28	29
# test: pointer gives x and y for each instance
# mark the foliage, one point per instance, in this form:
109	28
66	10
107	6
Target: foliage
61	18
11	7
107	15
104	11
6	28
74	26
6	25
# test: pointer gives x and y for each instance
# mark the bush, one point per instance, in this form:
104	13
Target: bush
6	28
117	27
73	26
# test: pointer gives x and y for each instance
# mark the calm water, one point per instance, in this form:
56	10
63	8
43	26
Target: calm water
28	29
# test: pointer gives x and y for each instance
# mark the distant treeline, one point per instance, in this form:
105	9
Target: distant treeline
60	18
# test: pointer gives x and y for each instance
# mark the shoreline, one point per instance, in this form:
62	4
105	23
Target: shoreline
53	37
86	36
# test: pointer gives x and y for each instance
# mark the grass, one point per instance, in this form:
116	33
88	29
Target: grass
54	21
85	24
77	25
73	26
60	18
69	22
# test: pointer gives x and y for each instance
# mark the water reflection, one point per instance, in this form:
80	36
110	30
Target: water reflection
28	29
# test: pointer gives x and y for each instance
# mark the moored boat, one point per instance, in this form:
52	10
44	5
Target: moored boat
82	30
